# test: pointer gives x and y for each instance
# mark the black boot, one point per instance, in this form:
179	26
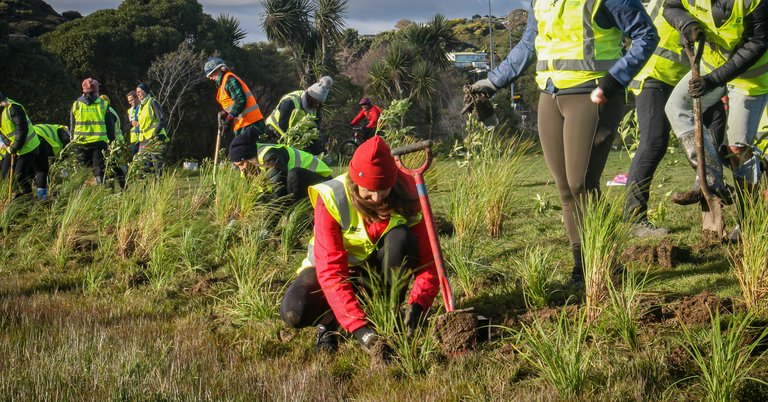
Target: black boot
577	275
327	338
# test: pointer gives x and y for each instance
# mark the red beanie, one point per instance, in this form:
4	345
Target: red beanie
90	85
372	166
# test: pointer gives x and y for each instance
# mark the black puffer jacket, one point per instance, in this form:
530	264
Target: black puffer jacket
754	41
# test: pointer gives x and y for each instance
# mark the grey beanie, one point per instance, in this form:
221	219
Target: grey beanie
320	89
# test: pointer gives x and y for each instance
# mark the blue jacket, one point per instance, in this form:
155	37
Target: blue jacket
629	16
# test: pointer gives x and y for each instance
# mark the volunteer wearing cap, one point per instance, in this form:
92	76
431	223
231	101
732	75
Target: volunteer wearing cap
367	223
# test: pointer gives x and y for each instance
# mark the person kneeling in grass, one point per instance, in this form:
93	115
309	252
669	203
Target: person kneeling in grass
289	171
368	225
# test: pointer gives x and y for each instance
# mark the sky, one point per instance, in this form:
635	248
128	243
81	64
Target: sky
367	16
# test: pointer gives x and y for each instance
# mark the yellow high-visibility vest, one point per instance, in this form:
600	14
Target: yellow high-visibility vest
570	47
49	133
148	122
8	128
296	159
338	202
90	125
297	113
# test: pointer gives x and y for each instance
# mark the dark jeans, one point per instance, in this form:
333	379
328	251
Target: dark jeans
32	165
92	155
304	303
653	130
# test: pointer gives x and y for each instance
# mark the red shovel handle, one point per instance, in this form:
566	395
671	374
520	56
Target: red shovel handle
423	145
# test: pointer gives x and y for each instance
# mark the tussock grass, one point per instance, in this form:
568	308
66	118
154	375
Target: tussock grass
750	259
623	310
535	270
603	236
560	354
725	361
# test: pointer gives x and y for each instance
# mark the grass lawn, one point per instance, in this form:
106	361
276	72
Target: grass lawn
150	294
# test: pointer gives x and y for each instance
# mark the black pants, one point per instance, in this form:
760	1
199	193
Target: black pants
653	129
32	165
298	181
93	155
304	303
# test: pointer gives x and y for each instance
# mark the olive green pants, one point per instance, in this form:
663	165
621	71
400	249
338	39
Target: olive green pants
576	136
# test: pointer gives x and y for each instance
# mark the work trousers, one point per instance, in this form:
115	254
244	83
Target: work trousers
304	303
576	136
92	155
26	168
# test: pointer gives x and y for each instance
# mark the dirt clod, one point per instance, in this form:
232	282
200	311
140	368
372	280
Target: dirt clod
457	332
698	309
710	238
381	354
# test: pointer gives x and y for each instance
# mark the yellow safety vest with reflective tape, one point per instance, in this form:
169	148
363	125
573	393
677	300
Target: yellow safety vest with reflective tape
721	41
8	128
668	63
118	128
148	122
762	132
359	247
49	133
296	159
572	50
297	113
133	115
89	125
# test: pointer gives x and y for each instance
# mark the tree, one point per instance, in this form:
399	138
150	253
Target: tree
231	28
434	40
172	77
329	22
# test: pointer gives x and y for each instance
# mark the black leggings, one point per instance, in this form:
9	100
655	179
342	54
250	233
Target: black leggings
26	167
304	303
93	155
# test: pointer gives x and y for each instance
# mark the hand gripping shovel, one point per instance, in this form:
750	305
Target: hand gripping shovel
460	330
711	209
216	154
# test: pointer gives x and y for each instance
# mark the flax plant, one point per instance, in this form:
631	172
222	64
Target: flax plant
750	260
560	354
603	236
725	361
535	270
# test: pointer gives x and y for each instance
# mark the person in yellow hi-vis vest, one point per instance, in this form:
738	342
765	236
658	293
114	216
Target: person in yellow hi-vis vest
152	136
21	147
133	116
289	170
582	70
54	138
296	105
367	227
734	62
91	127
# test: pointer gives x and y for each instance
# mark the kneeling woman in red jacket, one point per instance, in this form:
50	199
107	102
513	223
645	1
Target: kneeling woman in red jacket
367	222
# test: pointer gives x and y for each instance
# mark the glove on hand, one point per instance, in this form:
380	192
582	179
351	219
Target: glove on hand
227	124
698	87
366	336
413	318
693	32
484	86
610	86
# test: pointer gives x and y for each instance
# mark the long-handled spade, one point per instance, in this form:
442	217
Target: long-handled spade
216	154
479	329
10	177
711	210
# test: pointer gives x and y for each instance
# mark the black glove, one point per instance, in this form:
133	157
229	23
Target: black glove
693	32
366	336
610	86
227	124
413	318
698	87
223	116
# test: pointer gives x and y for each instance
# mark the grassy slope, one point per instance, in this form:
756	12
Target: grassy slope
66	335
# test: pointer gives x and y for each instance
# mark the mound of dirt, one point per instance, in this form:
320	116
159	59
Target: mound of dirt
547	314
381	354
666	254
710	239
698	309
457	332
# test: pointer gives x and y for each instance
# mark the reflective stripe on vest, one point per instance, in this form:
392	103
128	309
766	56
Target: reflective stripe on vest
723	40
8	128
133	115
251	112
148	122
338	204
297	113
49	133
567	63
668	62
296	158
89	121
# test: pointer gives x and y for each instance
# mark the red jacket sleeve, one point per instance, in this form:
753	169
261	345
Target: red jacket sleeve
373	117
359	117
426	284
333	271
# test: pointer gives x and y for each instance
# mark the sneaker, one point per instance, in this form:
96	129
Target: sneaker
645	228
327	340
734	236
